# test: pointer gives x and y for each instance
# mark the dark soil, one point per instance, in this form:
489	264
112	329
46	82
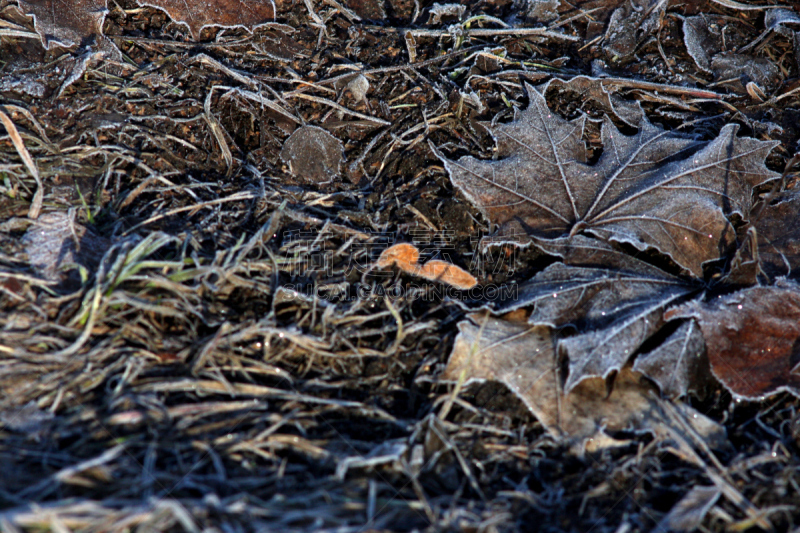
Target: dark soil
197	342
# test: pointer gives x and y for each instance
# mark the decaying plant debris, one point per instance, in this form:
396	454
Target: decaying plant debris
205	325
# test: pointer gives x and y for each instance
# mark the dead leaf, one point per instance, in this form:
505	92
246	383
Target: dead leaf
699	39
593	90
752	338
651	190
579	250
679	364
743	69
614	309
71	22
688	514
745	266
406	257
368	9
313	155
539	10
523	358
66	22
56	245
779	235
705	41
445	13
246	14
615	302
776	20
631	24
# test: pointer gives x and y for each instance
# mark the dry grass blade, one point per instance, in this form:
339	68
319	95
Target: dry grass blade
16	139
216	129
340	108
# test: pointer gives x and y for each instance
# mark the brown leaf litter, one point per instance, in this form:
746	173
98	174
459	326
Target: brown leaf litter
597	309
523	358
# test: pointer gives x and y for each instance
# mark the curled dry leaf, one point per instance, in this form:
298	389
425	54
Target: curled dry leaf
651	190
699	39
406	257
448	12
752	338
246	14
523	358
745	266
688	513
776	20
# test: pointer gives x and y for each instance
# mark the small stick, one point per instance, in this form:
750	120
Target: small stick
494	32
343	109
744	7
672	89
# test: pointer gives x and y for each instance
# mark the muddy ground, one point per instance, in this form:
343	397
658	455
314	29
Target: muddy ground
192	338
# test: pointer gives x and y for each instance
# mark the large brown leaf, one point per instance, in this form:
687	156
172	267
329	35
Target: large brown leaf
523	358
226	13
752	338
651	190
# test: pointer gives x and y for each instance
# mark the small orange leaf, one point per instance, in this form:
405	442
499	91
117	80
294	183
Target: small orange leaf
406	257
